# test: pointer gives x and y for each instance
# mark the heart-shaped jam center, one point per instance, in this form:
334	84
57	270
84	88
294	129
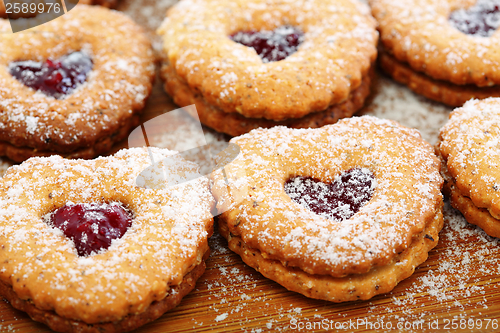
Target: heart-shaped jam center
56	78
337	201
482	19
272	45
92	226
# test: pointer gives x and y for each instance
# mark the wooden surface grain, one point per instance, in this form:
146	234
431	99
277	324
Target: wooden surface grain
455	290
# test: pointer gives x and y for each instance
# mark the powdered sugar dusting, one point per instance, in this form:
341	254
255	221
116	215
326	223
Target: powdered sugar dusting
469	143
421	34
167	236
115	89
458	278
254	303
339	38
337	201
271	223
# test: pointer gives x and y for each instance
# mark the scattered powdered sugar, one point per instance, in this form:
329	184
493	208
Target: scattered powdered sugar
459	278
222	317
394	101
149	14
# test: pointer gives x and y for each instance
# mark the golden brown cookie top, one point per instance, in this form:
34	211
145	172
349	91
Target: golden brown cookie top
406	186
114	90
419	32
167	238
338	48
469	144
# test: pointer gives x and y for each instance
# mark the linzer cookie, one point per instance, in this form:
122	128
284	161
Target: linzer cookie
73	86
249	64
83	249
339	213
469	151
445	50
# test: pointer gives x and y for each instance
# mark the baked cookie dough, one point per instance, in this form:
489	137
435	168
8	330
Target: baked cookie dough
468	148
206	62
140	276
341	253
446	50
72	87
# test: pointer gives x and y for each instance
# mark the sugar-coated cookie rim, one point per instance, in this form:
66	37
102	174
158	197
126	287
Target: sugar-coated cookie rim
235	124
436	50
94	110
439	91
19	154
467	169
379	280
255	184
292	81
130	322
118	184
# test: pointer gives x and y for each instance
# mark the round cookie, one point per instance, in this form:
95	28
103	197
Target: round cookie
134	281
335	56
440	91
468	148
420	33
367	252
95	113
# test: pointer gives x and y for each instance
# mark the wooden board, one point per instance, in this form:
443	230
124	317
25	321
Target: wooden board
455	290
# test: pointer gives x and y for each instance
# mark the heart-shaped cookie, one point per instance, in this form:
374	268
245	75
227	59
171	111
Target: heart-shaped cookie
146	272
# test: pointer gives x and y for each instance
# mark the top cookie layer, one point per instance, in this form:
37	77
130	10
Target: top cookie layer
418	32
406	196
338	49
167	238
469	144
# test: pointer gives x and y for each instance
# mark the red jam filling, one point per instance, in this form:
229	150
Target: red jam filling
92	226
337	201
273	45
56	78
482	19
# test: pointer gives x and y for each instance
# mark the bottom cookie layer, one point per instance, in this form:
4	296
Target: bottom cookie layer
131	322
235	124
440	91
378	280
474	215
19	154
